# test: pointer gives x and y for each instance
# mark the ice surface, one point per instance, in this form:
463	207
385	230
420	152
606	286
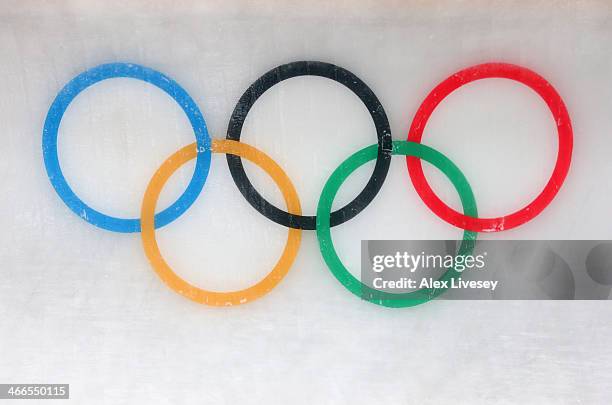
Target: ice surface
81	305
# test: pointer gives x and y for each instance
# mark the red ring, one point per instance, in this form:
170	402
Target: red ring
564	156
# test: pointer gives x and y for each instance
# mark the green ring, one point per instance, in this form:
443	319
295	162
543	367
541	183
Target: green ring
326	244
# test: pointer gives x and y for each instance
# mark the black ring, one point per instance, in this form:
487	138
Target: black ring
365	94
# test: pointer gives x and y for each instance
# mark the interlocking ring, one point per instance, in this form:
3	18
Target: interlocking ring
353	83
203	147
564	156
162	268
326	244
148	75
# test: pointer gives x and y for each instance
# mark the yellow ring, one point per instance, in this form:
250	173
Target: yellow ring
163	270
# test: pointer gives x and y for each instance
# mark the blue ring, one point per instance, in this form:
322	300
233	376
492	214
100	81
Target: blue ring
174	90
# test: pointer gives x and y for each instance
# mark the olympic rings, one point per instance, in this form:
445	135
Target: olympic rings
564	156
164	271
326	244
382	151
129	70
353	83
